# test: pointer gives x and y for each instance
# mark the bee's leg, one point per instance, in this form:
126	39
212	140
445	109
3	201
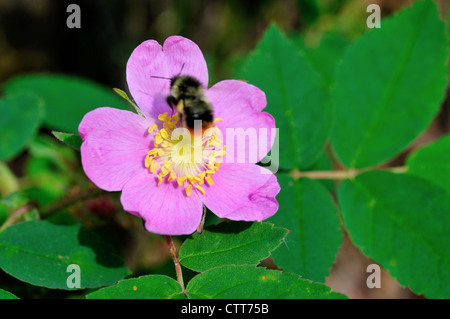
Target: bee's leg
172	102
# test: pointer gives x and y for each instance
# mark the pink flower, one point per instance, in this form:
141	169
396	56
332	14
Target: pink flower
123	151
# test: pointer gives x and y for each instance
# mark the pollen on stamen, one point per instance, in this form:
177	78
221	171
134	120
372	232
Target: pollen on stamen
164	171
164	134
152	128
158	139
168	163
154	166
199	188
163	117
165	144
180	180
148	160
208	133
209	180
211	163
176	164
172	176
188	190
216	129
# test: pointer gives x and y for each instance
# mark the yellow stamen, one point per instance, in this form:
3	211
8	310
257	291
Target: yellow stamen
168	163
148	160
217	139
211	163
199	188
154	166
153	152
170	125
216	129
164	133
180	180
152	128
193	179
209	179
172	176
217	119
208	132
178	166
165	144
188	190
216	142
163	117
158	139
220	153
164	171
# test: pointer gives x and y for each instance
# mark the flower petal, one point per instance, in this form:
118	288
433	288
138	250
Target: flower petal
243	192
165	208
247	132
115	143
149	59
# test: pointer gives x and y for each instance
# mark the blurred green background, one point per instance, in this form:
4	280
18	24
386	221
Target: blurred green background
34	38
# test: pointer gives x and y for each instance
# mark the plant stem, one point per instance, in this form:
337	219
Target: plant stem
15	215
343	174
176	261
71	200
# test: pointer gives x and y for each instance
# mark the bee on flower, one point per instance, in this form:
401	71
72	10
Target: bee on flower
173	160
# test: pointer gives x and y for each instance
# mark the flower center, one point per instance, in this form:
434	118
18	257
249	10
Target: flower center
188	157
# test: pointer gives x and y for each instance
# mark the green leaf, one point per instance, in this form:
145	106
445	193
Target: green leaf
124	95
19	121
403	223
73	140
50	169
230	243
306	208
66	99
145	287
7	295
296	97
10	183
432	162
326	56
39	253
4	212
390	86
249	282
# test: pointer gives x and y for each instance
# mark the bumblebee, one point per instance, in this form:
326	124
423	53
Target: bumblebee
186	95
